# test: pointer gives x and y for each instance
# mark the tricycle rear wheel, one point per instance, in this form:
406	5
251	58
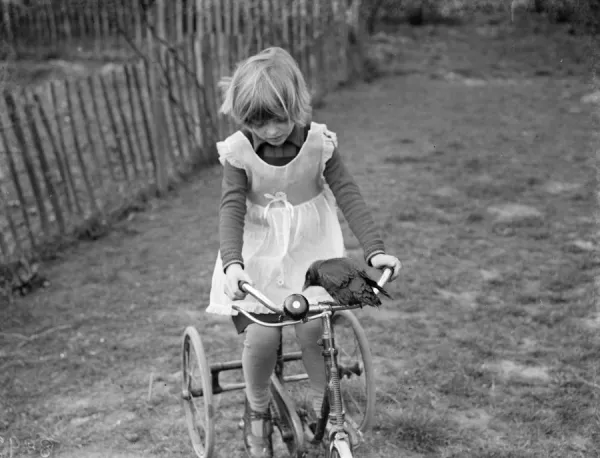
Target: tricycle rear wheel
197	383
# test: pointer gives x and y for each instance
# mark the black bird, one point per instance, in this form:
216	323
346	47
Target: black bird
346	283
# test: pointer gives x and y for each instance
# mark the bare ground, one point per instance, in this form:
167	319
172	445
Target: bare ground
477	160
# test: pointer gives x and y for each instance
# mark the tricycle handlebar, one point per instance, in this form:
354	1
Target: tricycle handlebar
300	302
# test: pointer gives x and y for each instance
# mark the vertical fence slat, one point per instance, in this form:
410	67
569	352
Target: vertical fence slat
80	16
164	81
198	54
11	224
8	22
40	18
266	23
44	165
12	166
216	18
304	39
3	194
192	94
71	191
125	130
105	22
55	149
189	73
171	102
57	17
69	23
237	35
96	24
139	89
184	108
139	23
77	146
201	101
119	147
16	122
159	136
284	17
52	23
212	107
135	125
177	102
120	22
178	22
226	39
88	131
95	96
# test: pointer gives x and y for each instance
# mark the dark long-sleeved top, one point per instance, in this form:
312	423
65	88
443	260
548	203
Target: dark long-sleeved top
337	176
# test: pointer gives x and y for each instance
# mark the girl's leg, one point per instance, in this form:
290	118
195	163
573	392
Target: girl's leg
259	357
308	334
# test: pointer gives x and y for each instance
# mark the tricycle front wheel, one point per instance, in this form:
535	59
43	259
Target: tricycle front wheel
197	394
355	364
286	419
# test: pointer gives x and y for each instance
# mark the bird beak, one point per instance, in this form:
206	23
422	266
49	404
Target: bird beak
305	287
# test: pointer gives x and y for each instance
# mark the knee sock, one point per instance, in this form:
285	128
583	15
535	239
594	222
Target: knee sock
258	362
312	357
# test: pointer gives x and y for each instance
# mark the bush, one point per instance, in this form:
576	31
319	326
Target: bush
584	14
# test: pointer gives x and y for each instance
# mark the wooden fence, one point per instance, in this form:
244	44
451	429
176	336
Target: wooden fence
89	24
72	151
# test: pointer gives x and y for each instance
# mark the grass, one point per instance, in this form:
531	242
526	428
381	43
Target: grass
489	348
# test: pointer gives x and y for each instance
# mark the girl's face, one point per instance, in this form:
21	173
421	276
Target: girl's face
274	132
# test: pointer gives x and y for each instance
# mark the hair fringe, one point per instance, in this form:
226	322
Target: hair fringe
258	68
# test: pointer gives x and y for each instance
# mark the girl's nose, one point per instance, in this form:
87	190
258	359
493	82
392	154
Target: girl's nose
271	130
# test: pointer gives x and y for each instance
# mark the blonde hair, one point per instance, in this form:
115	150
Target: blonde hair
268	85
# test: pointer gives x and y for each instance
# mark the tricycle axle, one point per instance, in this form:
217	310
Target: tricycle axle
198	392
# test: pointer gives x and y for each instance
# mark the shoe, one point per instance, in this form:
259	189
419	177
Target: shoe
258	446
354	435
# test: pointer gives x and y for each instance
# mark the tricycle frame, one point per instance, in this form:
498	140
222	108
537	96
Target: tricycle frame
342	436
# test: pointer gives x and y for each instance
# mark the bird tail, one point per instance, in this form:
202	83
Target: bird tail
373	284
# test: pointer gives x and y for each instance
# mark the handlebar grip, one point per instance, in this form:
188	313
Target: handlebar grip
260	297
385	276
243	285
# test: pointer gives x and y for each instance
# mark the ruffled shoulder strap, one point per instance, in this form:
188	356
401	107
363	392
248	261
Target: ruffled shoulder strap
234	149
330	143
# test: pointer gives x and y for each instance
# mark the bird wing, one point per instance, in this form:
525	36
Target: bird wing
336	273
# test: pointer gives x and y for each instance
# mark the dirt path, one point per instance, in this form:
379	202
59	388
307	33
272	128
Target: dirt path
479	169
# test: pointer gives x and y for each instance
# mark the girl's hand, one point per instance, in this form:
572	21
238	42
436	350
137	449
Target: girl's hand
234	274
381	261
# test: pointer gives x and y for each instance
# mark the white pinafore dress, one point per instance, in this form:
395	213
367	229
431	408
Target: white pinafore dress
291	221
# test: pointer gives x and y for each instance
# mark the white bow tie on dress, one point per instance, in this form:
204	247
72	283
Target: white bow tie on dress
279	196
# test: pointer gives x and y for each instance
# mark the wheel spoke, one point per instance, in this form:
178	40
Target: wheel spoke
354	401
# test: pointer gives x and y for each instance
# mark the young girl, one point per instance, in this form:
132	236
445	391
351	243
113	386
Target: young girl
282	177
